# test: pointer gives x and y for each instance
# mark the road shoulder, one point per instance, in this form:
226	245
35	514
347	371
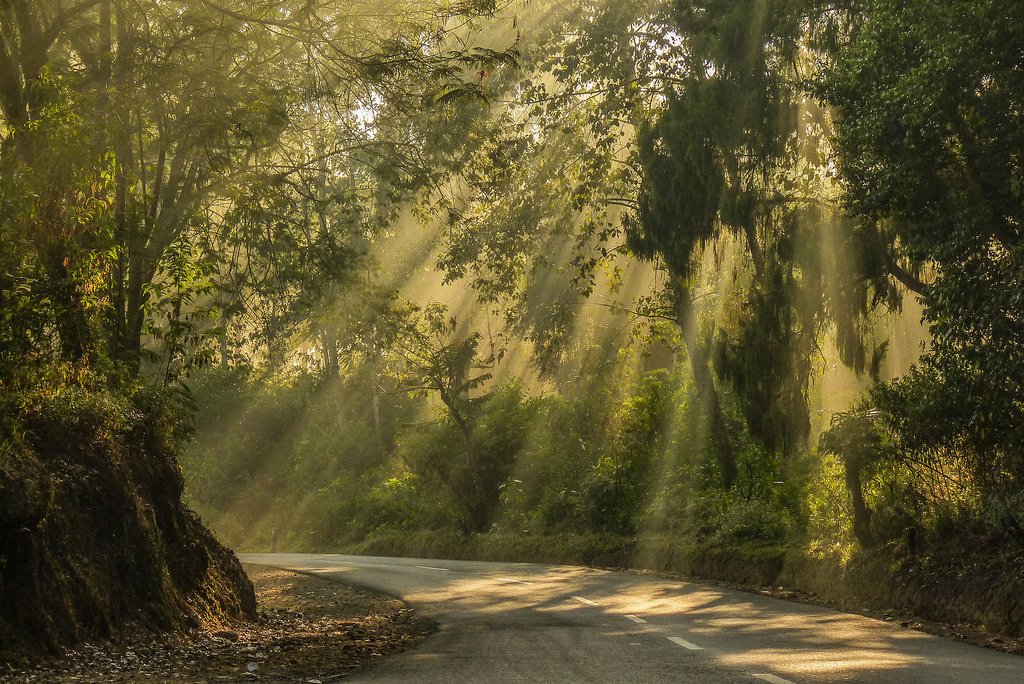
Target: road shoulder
310	630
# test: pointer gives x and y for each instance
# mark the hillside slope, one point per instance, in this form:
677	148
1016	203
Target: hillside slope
94	538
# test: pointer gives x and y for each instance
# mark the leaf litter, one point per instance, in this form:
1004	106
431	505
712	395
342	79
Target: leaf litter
310	630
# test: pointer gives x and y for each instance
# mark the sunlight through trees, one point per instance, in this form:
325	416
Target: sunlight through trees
536	269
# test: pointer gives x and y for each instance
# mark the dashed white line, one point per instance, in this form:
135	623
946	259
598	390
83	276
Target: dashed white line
687	644
772	679
585	600
428	567
638	620
509	579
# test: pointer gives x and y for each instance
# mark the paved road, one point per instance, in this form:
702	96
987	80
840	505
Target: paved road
520	622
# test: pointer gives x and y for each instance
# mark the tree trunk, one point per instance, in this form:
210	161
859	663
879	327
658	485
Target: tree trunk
861	513
225	352
704	380
478	504
139	273
330	353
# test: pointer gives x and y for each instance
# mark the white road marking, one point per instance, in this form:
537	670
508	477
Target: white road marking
509	579
585	600
427	567
772	679
638	620
687	644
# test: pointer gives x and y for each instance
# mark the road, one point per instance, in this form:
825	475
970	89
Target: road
521	622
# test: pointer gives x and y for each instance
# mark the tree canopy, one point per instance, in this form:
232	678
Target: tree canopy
752	189
157	152
928	104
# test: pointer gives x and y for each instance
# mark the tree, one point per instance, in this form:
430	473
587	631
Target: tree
439	360
928	100
171	107
735	154
687	129
550	169
854	437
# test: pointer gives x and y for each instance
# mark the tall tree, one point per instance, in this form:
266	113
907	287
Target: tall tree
733	154
173	106
439	360
928	98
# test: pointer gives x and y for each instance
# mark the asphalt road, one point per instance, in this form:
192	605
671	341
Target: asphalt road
520	622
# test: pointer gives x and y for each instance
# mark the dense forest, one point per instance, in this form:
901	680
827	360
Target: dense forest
728	287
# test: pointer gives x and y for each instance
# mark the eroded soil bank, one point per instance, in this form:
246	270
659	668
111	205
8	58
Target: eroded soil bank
94	537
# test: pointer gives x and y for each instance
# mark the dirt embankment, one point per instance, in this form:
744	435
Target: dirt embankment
94	538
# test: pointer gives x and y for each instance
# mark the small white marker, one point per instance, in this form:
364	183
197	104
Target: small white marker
772	679
638	620
427	567
509	579
585	600
686	644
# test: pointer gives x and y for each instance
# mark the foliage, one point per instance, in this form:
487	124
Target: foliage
927	96
441	360
535	226
170	166
399	503
191	189
854	437
618	485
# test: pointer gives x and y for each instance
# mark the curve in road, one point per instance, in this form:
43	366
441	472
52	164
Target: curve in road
522	622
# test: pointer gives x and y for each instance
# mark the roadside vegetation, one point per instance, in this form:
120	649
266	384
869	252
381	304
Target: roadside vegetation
623	283
143	149
689	215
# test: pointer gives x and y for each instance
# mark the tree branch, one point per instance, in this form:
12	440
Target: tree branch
64	18
908	279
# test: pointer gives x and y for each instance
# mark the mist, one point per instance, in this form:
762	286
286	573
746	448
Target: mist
728	289
612	278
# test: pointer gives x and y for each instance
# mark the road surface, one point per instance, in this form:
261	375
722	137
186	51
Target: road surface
521	622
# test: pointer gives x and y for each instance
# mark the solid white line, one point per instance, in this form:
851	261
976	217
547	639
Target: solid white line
509	579
772	678
584	600
687	644
638	620
427	567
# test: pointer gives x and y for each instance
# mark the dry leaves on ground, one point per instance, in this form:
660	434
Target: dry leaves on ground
311	630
